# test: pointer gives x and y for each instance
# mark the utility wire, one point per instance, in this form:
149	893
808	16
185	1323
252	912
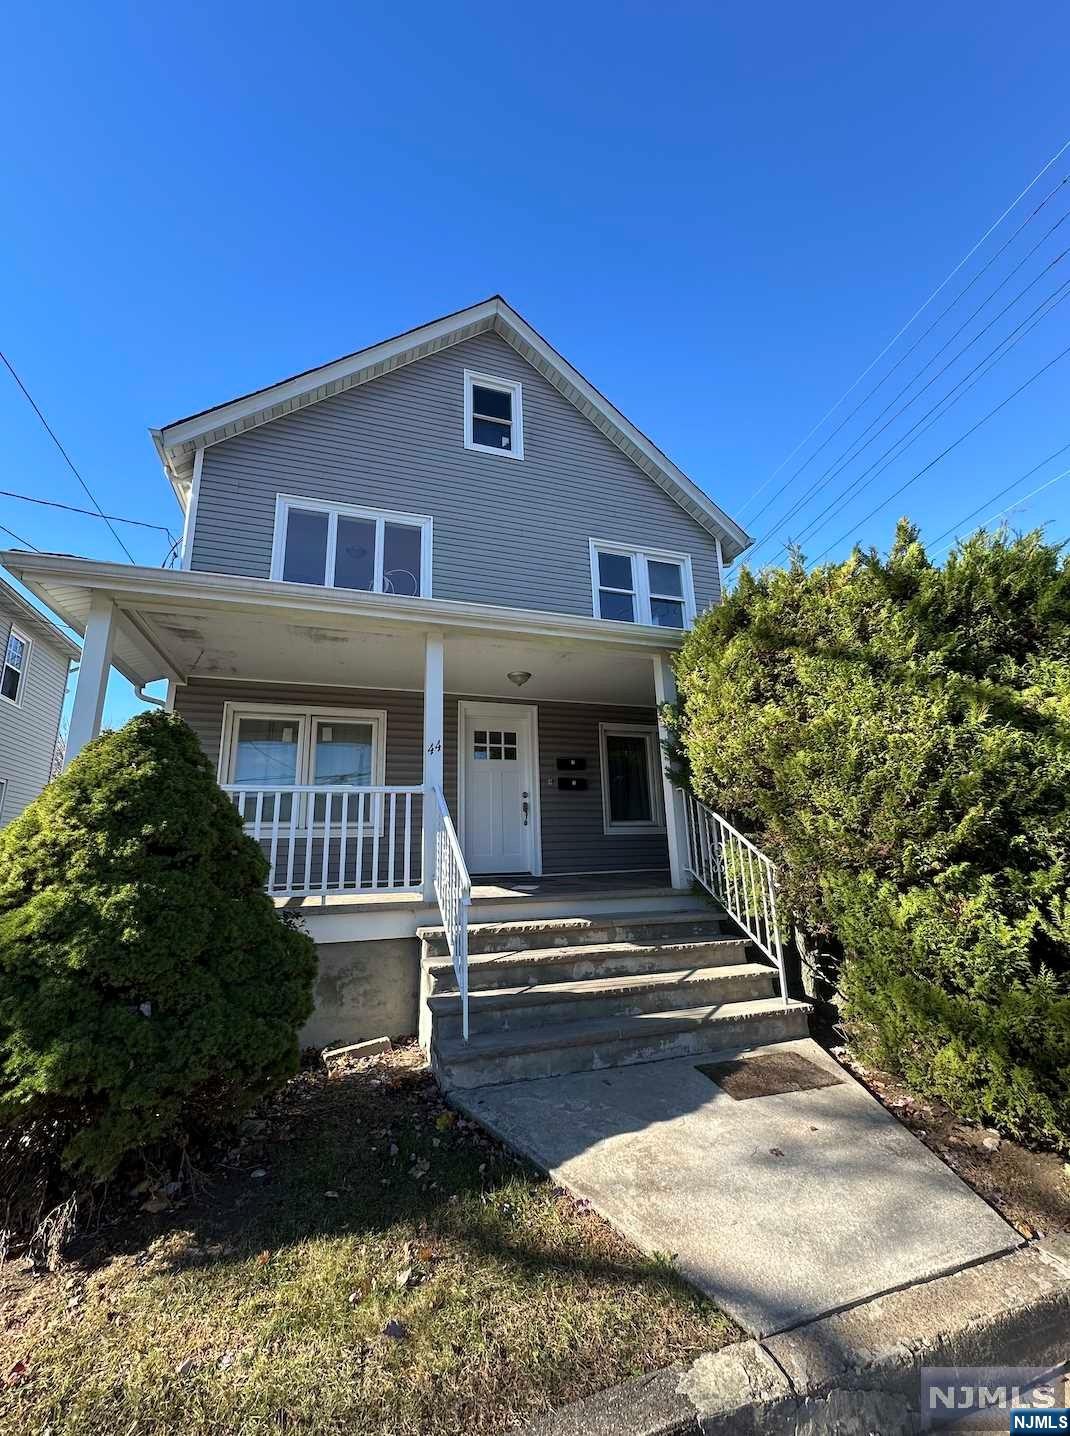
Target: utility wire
993	498
89	513
67	458
917	313
836	466
25	542
944	404
1011	507
944	452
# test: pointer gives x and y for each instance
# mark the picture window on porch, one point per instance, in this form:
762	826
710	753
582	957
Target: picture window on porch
493	415
642	586
631	780
295	747
342	546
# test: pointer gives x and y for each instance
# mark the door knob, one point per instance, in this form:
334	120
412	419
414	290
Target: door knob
524	809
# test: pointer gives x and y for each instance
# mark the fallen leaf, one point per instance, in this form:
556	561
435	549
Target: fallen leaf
445	1121
332	1195
184	1367
404	1279
775	1152
263	1258
156	1204
396	1330
425	1254
19	1373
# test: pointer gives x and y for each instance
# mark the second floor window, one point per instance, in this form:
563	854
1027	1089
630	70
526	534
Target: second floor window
14	674
342	546
642	586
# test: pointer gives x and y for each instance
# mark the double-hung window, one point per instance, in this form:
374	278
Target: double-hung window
631	779
16	659
493	415
267	747
342	546
642	586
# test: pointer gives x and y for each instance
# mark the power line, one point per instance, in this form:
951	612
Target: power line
944	404
917	313
67	458
25	542
944	452
1024	499
992	498
818	484
89	513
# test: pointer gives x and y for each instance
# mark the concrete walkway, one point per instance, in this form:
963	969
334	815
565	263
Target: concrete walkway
780	1208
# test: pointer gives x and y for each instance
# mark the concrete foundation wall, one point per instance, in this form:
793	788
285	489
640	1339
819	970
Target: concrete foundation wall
365	989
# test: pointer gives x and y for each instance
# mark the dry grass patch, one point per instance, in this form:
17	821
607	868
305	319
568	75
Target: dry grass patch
393	1270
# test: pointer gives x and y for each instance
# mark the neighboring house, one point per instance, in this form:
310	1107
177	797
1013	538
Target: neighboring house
428	601
33	682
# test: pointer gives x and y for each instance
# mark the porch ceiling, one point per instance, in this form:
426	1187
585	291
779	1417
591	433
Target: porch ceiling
183	625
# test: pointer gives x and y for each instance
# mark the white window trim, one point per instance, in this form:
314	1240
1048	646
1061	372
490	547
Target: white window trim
23	672
285	502
640	586
304	717
506	386
656	822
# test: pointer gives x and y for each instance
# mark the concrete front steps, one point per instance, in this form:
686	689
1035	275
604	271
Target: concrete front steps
550	996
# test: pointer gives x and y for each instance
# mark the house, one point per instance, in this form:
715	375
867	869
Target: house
33	683
428	602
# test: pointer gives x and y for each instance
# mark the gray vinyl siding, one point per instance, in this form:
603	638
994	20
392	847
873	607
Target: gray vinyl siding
506	531
573	839
29	728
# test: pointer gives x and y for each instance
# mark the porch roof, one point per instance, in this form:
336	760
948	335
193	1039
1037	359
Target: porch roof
178	624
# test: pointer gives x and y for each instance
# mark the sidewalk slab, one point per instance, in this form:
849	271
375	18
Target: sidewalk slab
779	1208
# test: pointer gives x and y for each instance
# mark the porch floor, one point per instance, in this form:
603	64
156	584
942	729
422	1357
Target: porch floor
496	888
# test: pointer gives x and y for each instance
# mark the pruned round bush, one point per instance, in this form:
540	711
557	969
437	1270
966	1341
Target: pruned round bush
147	984
897	736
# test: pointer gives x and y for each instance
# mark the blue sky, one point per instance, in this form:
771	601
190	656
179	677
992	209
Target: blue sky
719	214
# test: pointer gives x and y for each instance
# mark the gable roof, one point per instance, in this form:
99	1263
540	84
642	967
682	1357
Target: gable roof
24	615
177	443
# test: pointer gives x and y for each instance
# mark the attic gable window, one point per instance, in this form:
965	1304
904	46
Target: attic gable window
342	546
493	415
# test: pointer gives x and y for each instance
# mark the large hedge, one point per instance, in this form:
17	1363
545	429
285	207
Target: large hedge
147	985
897	736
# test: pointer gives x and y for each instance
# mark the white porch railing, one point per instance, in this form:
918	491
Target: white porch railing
321	841
453	889
739	876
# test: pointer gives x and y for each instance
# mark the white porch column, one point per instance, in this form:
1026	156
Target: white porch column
434	678
92	676
675	816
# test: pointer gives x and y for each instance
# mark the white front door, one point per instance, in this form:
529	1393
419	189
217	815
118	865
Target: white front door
497	742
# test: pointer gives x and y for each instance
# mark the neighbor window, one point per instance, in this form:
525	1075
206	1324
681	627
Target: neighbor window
15	657
340	546
631	783
493	415
269	748
642	586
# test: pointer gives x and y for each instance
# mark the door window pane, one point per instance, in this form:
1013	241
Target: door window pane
628	776
667	613
305	559
354	559
401	560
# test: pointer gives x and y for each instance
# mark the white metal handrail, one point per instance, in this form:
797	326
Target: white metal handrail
453	889
739	876
329	839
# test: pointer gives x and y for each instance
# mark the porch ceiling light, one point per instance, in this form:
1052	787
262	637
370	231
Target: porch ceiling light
519	677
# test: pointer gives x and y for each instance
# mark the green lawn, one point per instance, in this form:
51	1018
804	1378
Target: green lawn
268	1304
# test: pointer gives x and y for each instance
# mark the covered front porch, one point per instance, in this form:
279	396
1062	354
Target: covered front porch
367	740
